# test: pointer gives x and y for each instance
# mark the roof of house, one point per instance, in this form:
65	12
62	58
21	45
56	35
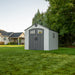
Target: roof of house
4	33
16	35
10	34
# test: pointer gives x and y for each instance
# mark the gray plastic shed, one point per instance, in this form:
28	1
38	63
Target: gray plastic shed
38	37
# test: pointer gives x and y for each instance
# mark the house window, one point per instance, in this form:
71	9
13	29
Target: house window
32	32
53	35
4	38
40	31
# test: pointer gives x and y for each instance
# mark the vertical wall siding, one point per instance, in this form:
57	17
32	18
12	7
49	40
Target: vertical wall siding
46	39
26	39
53	42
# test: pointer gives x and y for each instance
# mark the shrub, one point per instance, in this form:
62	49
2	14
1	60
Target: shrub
1	43
12	43
73	44
62	45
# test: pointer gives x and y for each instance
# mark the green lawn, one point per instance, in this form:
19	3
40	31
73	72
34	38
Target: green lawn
11	45
17	61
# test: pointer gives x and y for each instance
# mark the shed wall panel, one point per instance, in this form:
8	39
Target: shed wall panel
53	42
26	39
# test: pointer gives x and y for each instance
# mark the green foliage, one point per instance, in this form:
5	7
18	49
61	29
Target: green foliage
17	61
39	18
60	17
12	43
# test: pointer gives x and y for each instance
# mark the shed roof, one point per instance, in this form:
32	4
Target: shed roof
40	25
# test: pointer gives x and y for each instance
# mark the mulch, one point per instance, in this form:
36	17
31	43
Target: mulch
71	46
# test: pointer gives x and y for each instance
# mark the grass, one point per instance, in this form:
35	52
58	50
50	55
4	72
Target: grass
11	45
70	51
17	61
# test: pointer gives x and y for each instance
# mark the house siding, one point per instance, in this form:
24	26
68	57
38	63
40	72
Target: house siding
5	41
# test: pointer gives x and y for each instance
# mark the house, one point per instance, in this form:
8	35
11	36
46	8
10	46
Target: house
38	37
9	37
17	38
4	36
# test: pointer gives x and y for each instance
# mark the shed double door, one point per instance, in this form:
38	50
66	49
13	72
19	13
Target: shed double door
36	39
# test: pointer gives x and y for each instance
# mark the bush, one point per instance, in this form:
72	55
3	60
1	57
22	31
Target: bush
1	43
12	43
73	44
62	45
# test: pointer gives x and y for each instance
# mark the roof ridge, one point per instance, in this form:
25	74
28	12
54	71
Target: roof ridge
11	34
16	34
2	30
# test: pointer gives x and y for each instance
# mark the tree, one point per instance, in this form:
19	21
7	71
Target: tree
60	17
39	18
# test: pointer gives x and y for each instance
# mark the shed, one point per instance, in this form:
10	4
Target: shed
38	37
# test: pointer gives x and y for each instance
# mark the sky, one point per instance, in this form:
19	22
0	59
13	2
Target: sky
17	15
